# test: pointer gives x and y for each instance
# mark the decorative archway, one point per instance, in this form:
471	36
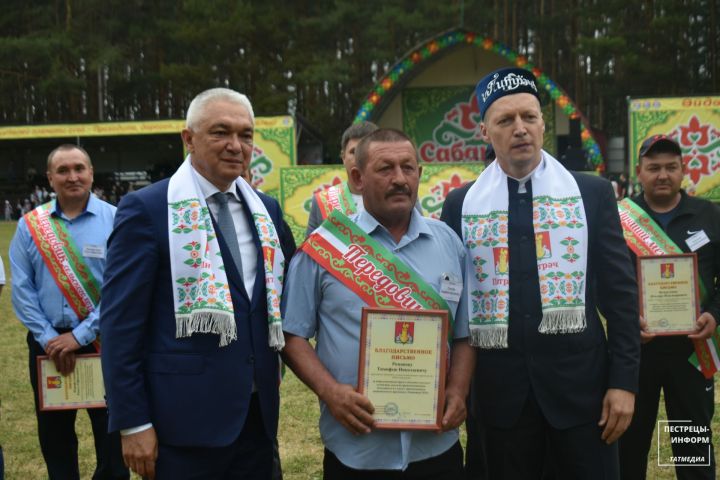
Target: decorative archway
409	66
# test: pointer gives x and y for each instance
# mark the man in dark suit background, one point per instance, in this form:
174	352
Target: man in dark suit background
189	329
549	387
674	222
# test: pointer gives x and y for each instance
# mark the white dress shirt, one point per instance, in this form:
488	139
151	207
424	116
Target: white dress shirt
248	251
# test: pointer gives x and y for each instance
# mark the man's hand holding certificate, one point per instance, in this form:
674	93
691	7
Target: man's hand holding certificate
82	388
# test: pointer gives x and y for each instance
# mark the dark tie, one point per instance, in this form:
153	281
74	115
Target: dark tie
227	229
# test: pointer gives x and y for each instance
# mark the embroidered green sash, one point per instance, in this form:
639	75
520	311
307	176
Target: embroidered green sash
64	260
369	269
337	197
645	237
642	234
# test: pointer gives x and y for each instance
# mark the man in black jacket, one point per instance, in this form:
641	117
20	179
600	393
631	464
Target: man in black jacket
547	251
693	224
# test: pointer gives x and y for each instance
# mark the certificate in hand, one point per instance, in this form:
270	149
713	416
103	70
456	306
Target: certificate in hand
83	388
403	356
669	293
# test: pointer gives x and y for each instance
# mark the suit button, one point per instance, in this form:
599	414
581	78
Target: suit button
521	201
526	316
251	359
523	238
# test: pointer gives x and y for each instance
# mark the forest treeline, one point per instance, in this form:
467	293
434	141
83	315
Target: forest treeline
116	60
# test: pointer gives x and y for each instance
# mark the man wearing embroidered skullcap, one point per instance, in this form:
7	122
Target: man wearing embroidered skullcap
545	252
57	259
391	256
664	220
191	320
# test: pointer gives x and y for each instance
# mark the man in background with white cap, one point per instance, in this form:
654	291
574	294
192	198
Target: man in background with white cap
545	252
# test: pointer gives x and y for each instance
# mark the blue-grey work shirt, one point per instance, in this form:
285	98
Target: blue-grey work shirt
38	302
315	304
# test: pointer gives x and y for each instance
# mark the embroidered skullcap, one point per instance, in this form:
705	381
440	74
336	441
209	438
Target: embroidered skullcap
506	81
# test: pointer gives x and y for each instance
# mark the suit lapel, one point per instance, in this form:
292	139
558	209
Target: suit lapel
259	287
234	277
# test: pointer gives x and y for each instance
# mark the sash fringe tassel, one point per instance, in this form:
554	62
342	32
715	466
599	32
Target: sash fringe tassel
277	339
563	321
494	336
222	324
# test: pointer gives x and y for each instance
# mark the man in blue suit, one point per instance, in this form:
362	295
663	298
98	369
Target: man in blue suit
191	324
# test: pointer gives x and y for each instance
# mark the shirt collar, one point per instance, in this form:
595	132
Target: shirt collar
522	181
93	206
208	189
417	226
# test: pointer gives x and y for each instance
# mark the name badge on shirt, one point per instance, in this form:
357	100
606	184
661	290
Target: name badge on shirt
94	251
697	240
450	287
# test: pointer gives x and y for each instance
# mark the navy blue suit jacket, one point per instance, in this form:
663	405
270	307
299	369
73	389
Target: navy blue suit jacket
194	392
569	373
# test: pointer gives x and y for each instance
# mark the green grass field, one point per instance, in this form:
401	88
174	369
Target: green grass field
300	445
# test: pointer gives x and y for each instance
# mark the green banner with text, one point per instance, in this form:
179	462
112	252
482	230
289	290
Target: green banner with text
694	122
299	184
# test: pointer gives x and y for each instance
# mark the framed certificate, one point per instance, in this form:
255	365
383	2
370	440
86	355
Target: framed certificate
669	293
83	388
403	358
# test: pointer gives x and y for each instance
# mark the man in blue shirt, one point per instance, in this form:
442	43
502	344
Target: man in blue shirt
54	296
2	284
316	304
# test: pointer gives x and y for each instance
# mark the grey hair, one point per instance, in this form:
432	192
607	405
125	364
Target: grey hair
197	106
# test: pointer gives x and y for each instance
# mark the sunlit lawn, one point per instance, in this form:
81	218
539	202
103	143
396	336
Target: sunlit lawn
300	446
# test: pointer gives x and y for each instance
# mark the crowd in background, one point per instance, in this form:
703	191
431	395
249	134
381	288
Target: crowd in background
622	185
14	209
112	193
